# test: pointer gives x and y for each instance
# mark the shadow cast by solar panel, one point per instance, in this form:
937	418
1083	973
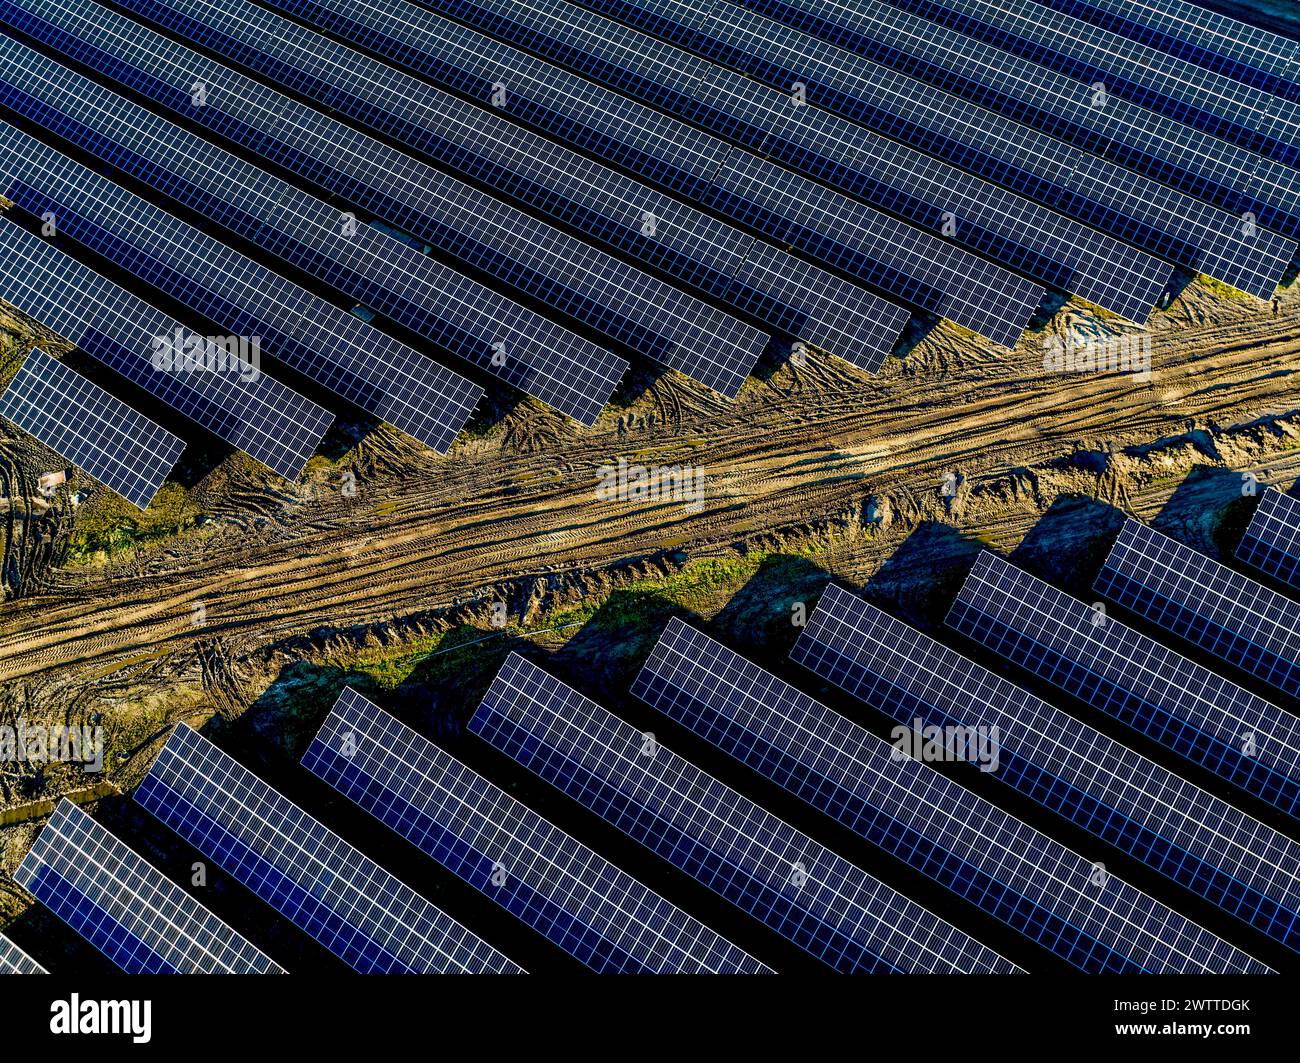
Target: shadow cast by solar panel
1068	544
1209	511
920	579
918	328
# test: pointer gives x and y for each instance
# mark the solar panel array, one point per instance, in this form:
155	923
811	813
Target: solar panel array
1015	873
789	296
1197	35
324	343
1184	833
1012	231
1219	610
1272	540
1212	103
90	428
803	891
125	907
1095	658
847	38
1126	205
248	410
14	961
307	873
875	249
454	312
569	894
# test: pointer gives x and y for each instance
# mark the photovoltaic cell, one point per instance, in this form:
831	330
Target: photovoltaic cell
83	423
1214	104
456	314
14	961
1197	35
809	895
1210	721
569	894
307	873
1184	833
251	412
1224	174
629	306
998	863
324	343
1272	540
125	907
1131	208
843	76
872	248
1219	610
798	299
922	191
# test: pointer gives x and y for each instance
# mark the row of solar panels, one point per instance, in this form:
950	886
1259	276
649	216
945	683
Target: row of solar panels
750	166
796	887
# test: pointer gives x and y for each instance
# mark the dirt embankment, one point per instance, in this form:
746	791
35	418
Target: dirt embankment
816	457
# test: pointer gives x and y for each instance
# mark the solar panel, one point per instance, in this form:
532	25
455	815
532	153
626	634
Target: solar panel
845	79
14	961
125	907
451	311
1194	34
1012	231
83	423
1184	833
1272	540
687	244
1217	105
998	863
804	892
845	39
569	894
1210	721
247	409
306	872
1224	613
1125	205
324	343
871	247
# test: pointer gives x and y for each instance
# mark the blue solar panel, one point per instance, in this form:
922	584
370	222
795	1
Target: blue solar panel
1214	104
1185	592
450	214
1272	540
573	897
873	248
993	860
1213	170
1095	658
1125	205
787	295
125	907
304	871
804	892
453	312
1193	838
1012	231
14	961
90	428
247	409
843	77
1197	35
324	343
